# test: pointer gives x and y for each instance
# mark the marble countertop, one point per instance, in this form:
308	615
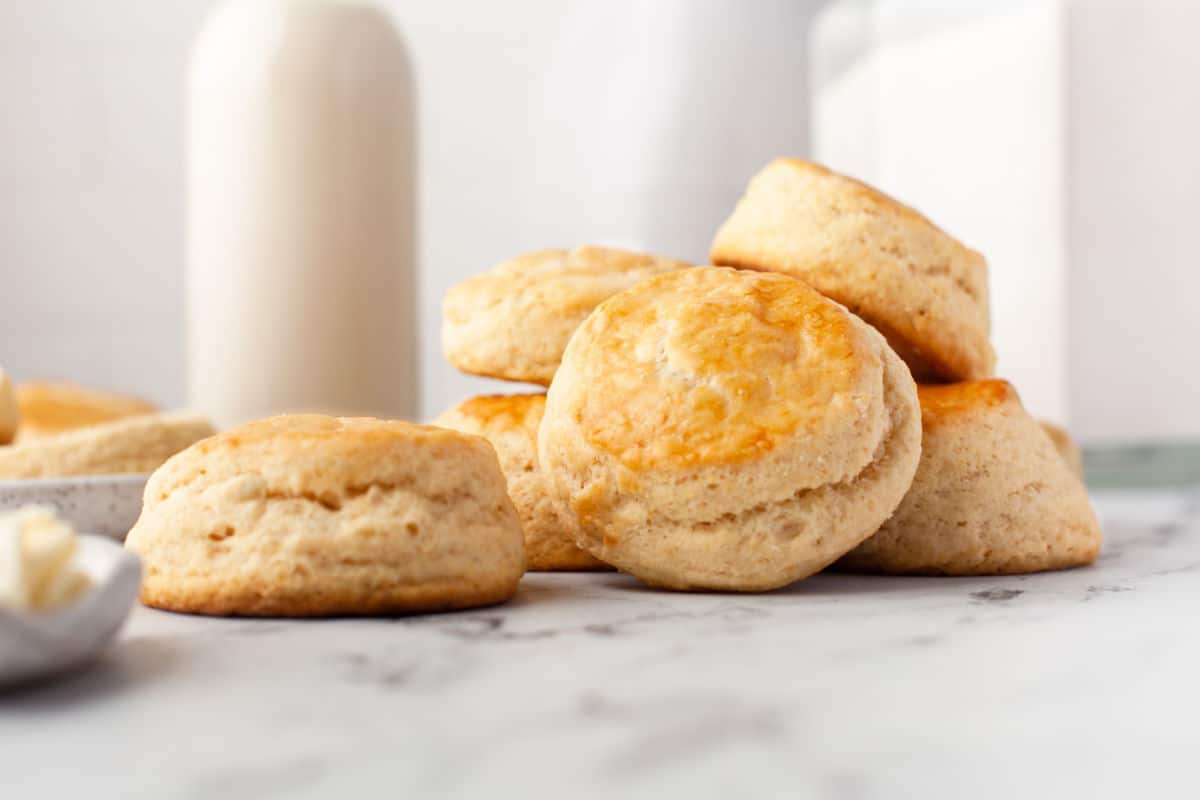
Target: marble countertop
1066	684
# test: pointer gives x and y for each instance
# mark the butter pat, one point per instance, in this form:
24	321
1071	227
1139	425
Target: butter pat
37	570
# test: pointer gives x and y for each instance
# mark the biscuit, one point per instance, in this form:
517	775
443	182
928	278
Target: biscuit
51	407
514	321
308	515
510	423
991	497
1065	446
136	444
720	429
926	292
9	413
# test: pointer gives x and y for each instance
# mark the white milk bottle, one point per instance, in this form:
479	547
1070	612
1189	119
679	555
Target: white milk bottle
300	145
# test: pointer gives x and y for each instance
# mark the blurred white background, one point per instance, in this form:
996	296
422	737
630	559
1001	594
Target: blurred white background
1059	138
545	123
540	123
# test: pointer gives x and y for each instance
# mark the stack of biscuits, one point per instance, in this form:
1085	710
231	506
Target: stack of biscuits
821	396
513	323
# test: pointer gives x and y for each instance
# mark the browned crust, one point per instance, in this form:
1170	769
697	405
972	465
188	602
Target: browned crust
511	375
713	432
509	410
553	554
944	401
938	518
429	596
317	427
930	357
9	412
1016	566
339	442
549	546
51	406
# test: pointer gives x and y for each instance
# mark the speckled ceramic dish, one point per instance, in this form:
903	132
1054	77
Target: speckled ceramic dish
39	645
107	505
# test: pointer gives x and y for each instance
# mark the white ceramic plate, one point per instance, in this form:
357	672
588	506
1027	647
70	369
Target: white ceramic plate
107	505
37	645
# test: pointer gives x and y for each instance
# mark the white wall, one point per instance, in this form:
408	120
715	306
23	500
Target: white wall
90	170
1060	139
1134	167
644	119
960	113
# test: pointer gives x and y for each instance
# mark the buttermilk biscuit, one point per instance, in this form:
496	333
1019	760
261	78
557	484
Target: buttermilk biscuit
49	407
510	423
992	496
309	515
9	414
926	292
514	321
719	429
1065	446
136	444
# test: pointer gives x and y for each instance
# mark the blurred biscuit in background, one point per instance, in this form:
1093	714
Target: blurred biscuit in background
51	407
9	412
133	445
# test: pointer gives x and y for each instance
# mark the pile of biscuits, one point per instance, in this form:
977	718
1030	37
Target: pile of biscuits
51	429
742	428
820	397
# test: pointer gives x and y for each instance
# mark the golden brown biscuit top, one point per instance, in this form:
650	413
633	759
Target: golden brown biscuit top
573	281
55	405
940	402
586	260
922	288
711	366
865	193
846	196
320	428
326	456
9	413
503	411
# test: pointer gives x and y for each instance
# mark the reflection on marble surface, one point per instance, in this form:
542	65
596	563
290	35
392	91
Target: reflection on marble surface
1064	684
